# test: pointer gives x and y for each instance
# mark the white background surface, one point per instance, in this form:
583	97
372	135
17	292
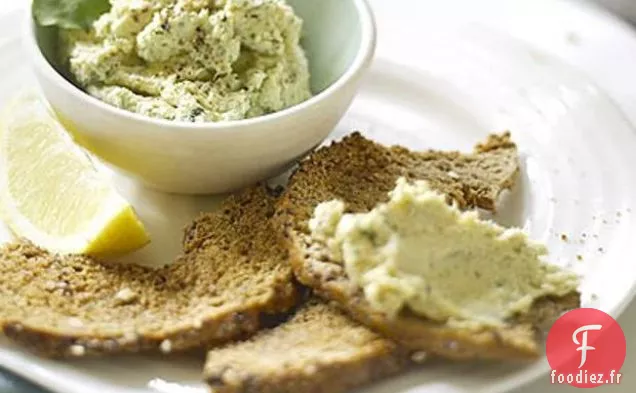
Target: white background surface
600	69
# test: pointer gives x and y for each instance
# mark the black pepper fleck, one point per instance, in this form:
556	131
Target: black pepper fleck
564	237
194	113
579	257
165	26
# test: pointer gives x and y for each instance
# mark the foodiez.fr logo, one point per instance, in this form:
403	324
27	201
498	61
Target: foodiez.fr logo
586	348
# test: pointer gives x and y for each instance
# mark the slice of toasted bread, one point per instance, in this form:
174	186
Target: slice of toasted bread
363	172
360	173
319	350
233	272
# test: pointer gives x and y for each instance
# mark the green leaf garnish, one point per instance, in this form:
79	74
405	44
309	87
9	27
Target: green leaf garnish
69	14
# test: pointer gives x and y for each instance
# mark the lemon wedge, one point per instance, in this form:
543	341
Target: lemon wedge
52	194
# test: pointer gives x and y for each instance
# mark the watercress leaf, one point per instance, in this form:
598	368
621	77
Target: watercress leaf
69	14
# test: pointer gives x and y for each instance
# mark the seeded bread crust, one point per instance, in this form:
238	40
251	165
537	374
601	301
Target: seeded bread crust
361	173
319	350
234	271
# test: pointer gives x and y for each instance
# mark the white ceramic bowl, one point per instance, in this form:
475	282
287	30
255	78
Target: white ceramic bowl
339	37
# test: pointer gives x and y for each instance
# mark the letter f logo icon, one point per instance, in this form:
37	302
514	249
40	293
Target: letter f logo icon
583	344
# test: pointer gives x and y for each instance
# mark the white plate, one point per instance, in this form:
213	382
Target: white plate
445	76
